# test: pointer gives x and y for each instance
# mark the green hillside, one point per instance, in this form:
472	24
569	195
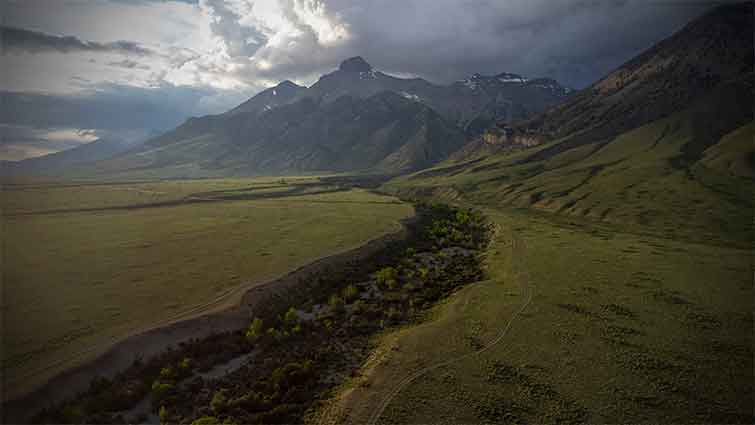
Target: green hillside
685	175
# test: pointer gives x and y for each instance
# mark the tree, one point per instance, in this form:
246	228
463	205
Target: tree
255	329
291	316
219	401
163	414
336	303
185	364
359	307
350	293
167	373
206	420
160	390
386	276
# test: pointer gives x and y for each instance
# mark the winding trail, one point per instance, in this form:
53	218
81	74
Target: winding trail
519	246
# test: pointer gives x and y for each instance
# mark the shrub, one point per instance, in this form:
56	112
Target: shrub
167	373
424	272
160	390
185	364
328	324
292	374
291	316
219	401
350	293
163	414
359	307
336	303
255	329
206	420
386	275
275	334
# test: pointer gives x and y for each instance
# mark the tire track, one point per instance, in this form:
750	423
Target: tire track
519	246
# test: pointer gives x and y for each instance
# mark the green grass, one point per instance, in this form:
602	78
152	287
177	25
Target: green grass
635	182
74	280
621	328
639	253
28	196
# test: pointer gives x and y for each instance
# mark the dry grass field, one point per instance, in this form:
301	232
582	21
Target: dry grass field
79	279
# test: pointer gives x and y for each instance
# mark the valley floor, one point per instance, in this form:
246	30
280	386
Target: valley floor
87	264
578	322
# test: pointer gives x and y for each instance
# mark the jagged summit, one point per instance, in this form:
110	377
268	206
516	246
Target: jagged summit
287	84
355	64
508	77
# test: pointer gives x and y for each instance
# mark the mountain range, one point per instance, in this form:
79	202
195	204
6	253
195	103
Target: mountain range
352	119
686	94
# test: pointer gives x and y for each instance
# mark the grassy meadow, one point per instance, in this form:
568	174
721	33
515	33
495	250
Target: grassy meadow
29	198
76	279
578	322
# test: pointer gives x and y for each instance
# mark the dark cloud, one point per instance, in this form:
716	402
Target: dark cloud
576	42
128	64
116	108
19	39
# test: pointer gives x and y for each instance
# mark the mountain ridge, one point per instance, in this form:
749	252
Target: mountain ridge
353	119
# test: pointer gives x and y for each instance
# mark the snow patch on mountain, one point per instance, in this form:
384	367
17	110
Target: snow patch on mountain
506	77
368	75
410	96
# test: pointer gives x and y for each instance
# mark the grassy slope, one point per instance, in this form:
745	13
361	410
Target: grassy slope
621	328
641	265
634	181
73	279
734	155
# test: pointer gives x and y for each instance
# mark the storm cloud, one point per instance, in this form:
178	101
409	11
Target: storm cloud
575	42
19	39
173	59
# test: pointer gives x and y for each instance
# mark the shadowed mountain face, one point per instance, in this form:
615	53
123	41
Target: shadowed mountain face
472	104
713	50
664	140
352	119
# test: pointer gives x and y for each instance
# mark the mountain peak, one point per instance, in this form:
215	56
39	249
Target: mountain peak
508	77
355	64
287	84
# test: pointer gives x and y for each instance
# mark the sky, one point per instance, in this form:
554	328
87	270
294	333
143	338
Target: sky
78	70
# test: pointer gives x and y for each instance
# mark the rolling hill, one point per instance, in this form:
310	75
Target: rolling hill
663	142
